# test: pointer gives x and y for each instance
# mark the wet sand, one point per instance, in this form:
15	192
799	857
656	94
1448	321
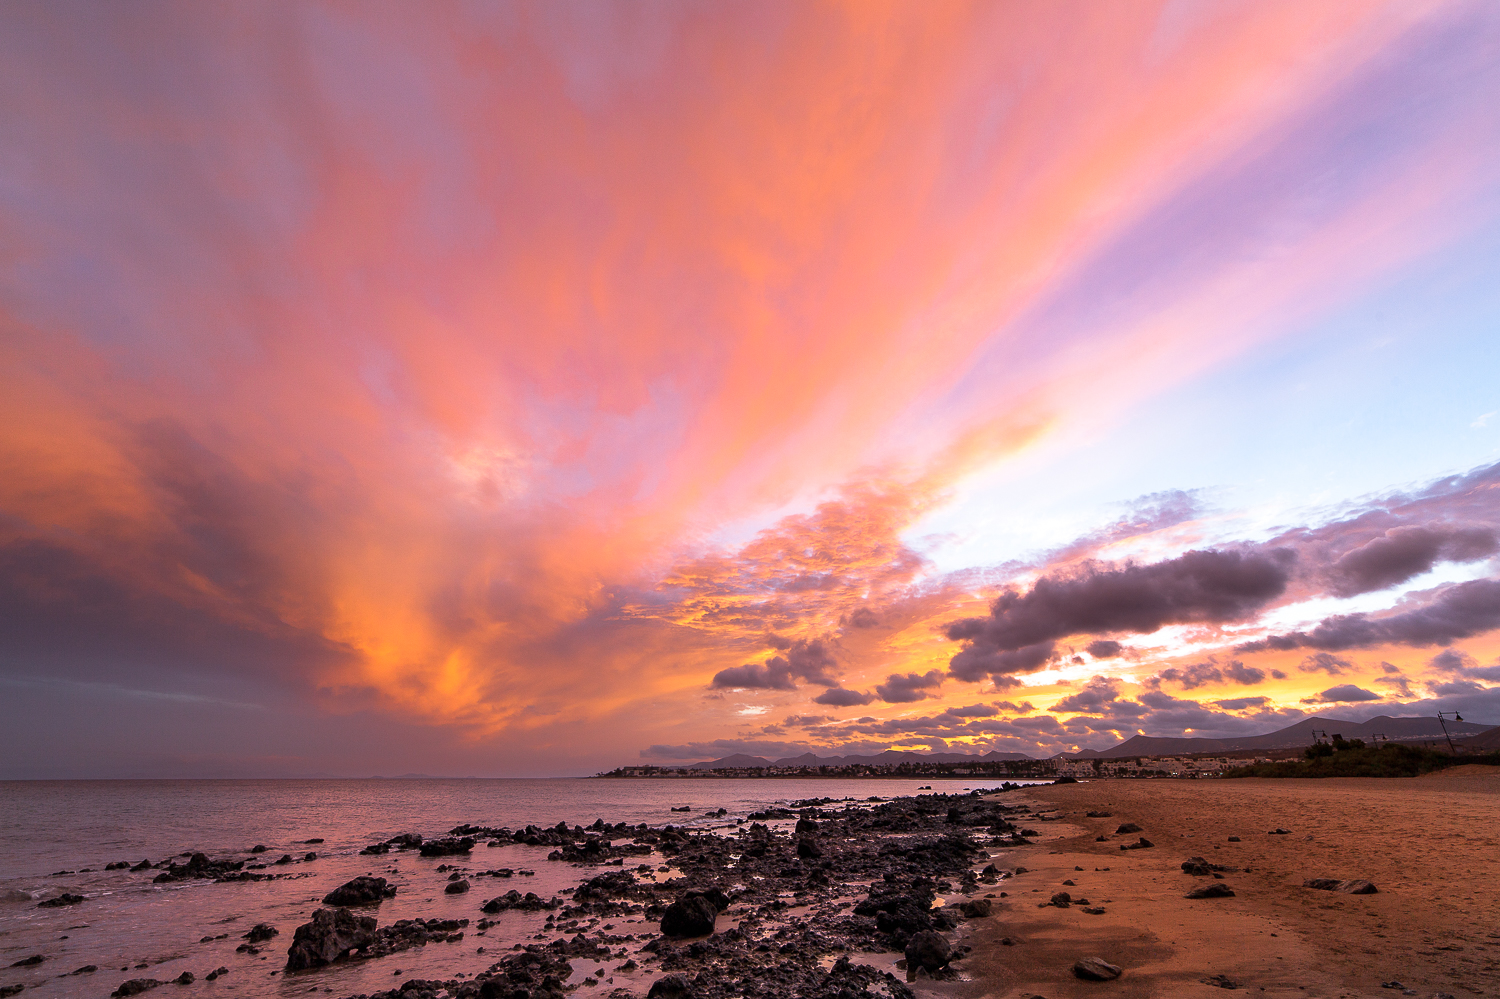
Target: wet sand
1431	845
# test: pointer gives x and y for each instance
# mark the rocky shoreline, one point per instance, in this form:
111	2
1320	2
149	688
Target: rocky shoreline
803	904
823	900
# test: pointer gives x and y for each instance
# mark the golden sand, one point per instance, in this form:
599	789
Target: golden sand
1431	845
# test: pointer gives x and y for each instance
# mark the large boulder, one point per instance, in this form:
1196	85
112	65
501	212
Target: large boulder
363	890
330	935
928	949
692	916
671	987
135	987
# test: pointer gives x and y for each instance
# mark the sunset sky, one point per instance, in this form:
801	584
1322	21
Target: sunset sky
523	389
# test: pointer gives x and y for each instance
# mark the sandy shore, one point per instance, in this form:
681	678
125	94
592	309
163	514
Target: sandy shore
1431	845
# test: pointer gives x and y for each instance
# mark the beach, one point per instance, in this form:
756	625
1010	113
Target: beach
1431	845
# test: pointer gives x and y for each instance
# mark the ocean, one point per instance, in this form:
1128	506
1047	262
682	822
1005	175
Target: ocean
59	835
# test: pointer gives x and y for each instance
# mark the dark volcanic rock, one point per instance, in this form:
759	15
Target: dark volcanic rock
260	932
447	847
330	935
456	887
1216	890
689	917
197	867
135	987
928	949
363	890
1353	887
976	908
1096	969
60	901
530	902
1127	827
27	962
10	990
671	987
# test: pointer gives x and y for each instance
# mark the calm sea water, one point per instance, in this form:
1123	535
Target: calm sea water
127	920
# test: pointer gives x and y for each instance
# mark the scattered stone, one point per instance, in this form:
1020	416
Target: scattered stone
363	890
216	973
456	887
258	933
689	917
1234	839
1215	890
1352	887
1142	844
1127	827
200	867
1101	815
60	901
928	949
10	990
1222	982
1279	832
87	969
671	987
135	987
1093	910
975	908
186	978
1096	969
259	848
530	902
330	935
447	847
29	962
1062	900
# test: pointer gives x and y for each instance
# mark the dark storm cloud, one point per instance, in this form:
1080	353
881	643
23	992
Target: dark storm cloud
1403	553
804	660
1325	662
1204	673
838	697
1241	703
1199	587
1459	662
975	662
904	688
973	711
1095	695
1400	685
1458	611
863	617
1344	693
1103	649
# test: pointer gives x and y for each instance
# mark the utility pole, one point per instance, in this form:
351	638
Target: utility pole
1456	717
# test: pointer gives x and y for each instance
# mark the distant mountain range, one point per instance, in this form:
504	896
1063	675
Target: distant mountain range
890	757
1420	729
